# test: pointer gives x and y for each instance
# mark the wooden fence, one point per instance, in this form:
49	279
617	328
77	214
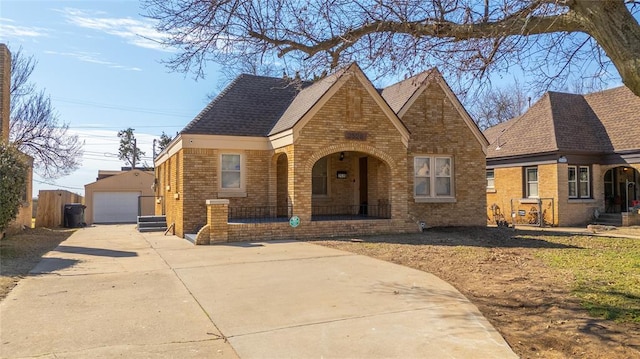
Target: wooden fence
50	212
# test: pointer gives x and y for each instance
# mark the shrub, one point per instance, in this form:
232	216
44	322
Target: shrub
13	179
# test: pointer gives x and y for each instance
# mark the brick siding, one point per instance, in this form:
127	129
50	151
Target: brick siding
283	176
438	129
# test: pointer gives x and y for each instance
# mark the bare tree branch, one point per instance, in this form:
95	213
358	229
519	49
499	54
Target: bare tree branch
34	127
466	38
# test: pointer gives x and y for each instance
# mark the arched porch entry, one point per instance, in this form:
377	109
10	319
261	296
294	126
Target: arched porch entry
283	200
350	185
621	189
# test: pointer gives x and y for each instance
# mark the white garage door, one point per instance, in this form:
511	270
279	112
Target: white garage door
115	207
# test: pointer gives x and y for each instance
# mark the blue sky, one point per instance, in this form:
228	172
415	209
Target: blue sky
102	76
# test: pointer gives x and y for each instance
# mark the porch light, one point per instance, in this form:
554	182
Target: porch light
341	156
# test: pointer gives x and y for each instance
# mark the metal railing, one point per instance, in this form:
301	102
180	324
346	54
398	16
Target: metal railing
537	212
259	214
150	203
350	212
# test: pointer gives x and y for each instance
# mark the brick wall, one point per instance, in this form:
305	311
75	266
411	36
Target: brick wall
552	180
199	172
283	175
172	191
508	185
351	109
438	129
579	212
238	232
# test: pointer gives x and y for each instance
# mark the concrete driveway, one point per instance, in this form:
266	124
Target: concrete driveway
109	291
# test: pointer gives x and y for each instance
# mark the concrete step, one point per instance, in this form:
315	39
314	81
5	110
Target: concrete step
609	219
152	219
152	229
191	237
152	224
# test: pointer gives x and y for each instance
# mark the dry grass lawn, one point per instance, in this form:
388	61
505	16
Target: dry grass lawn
551	295
21	252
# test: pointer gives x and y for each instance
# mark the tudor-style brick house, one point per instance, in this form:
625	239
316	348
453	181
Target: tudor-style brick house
343	156
578	156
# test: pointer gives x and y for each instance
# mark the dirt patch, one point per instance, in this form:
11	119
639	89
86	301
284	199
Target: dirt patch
21	252
500	270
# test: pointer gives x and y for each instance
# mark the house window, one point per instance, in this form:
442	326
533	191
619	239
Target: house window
230	171
491	185
319	178
432	176
531	179
579	182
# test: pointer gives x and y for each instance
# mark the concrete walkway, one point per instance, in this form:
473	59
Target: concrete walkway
109	291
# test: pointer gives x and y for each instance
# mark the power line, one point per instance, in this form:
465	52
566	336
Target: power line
120	127
161	112
55	184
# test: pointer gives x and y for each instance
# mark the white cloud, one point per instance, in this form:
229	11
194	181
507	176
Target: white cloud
93	57
137	32
10	30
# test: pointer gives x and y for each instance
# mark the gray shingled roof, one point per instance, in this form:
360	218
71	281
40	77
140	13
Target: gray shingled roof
619	111
305	100
249	106
398	94
263	106
492	133
598	123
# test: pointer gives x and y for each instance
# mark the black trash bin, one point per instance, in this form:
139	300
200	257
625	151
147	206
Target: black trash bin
74	215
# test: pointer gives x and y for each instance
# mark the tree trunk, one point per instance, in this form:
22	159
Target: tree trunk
613	27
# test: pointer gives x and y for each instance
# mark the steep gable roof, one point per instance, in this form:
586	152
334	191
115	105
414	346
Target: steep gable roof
263	106
249	106
598	123
315	96
399	94
402	95
304	101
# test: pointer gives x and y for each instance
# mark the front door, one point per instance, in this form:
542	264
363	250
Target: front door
620	189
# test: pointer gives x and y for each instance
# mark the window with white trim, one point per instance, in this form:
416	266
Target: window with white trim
230	171
531	182
432	176
491	184
319	177
579	182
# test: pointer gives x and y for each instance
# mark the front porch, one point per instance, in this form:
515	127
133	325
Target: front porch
275	214
236	224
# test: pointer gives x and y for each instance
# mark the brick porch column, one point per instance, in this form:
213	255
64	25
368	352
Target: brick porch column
217	219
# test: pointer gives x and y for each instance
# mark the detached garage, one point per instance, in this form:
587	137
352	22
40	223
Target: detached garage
117	196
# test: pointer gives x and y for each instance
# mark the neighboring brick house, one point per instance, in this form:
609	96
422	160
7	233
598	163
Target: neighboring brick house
341	155
23	218
577	156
